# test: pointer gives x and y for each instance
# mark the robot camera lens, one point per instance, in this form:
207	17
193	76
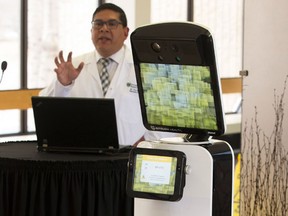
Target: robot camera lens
156	47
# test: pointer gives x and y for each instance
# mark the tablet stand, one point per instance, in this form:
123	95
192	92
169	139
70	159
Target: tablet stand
196	138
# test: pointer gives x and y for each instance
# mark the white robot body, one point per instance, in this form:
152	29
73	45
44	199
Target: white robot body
209	182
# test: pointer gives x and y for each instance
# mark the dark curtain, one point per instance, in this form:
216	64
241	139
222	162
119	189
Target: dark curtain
75	188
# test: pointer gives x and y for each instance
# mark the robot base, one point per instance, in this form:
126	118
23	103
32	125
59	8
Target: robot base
209	182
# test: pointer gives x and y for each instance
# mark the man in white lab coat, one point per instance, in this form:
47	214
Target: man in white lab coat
80	77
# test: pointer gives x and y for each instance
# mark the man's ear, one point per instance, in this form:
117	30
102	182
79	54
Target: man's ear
126	32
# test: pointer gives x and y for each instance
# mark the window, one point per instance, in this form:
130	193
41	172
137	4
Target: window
224	19
168	10
10	52
10	43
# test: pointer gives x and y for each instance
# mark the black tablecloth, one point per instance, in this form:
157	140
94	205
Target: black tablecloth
36	183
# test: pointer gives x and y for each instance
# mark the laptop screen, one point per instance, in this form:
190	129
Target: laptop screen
75	123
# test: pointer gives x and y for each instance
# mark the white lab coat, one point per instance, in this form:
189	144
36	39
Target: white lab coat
122	88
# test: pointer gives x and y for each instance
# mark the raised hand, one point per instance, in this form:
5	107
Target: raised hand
65	70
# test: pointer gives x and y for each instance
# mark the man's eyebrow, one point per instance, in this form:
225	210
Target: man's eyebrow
106	21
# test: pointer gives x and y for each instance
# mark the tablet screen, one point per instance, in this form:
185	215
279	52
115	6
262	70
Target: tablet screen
155	174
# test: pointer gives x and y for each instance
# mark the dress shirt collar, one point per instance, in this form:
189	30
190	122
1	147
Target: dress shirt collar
116	57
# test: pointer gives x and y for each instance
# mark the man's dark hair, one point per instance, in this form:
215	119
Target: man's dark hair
113	7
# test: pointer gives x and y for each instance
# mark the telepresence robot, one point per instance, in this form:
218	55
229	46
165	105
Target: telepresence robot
180	92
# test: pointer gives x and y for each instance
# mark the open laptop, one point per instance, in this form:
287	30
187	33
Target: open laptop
75	124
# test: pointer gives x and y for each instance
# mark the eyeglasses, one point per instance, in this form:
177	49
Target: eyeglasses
111	24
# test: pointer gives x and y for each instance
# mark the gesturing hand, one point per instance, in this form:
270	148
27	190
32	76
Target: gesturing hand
65	70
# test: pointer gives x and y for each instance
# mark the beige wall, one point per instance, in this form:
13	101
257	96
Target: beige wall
265	57
264	152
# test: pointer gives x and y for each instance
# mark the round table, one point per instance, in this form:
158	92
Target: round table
72	184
